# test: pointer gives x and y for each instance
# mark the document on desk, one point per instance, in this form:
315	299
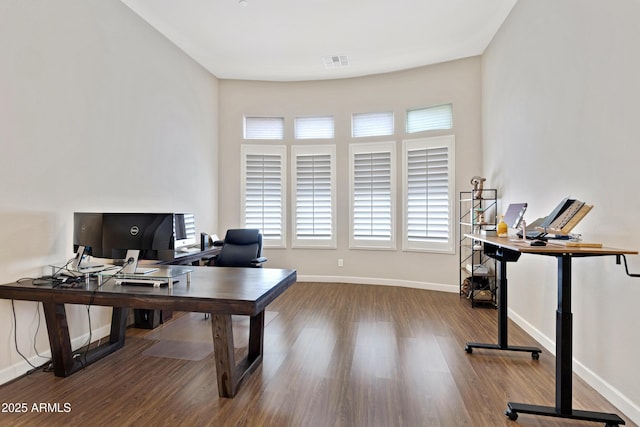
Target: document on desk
574	244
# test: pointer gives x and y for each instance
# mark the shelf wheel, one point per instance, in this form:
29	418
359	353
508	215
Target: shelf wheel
513	415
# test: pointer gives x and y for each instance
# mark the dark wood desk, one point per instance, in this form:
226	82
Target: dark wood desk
219	291
192	257
504	251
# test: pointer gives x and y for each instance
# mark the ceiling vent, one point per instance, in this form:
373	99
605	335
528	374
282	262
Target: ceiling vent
335	61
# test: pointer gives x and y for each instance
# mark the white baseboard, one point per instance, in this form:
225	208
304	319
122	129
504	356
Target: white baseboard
21	367
383	282
613	395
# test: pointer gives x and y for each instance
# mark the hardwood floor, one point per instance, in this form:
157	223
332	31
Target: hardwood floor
335	355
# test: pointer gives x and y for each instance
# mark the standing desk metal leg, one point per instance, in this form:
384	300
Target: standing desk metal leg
564	359
503	337
564	338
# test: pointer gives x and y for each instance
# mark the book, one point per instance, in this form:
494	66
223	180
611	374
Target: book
565	217
573	244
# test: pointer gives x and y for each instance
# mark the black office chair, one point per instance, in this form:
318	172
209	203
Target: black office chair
240	248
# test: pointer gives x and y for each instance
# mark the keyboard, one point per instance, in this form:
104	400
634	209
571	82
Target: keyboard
188	250
156	283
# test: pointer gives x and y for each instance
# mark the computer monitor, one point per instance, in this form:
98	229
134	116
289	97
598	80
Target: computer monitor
184	229
155	235
150	233
87	232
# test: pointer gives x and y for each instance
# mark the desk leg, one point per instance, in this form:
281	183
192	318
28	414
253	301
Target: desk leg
503	337
64	362
564	360
58	329
230	375
564	338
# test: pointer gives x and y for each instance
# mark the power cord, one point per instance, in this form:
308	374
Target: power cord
84	354
15	340
54	282
128	262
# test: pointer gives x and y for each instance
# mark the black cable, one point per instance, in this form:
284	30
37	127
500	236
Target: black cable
85	353
15	336
54	282
111	276
35	335
64	267
93	294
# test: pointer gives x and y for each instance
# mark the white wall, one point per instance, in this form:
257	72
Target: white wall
560	82
456	82
98	112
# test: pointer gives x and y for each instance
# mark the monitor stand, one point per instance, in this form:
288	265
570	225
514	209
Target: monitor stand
131	261
75	264
131	266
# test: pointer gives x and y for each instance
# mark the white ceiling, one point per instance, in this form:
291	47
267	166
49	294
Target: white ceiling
286	40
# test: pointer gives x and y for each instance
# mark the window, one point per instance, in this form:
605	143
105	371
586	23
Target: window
190	225
371	124
429	118
184	229
264	128
372	187
314	196
318	127
428	194
263	177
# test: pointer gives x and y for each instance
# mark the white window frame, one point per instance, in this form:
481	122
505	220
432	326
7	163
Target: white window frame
314	127
365	125
437	117
430	245
306	242
263	128
361	242
275	150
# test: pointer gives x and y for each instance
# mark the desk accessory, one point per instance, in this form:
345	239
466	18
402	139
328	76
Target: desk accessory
478	183
515	213
574	244
156	283
503	229
565	216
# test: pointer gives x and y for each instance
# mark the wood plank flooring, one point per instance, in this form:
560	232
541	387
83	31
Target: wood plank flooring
336	355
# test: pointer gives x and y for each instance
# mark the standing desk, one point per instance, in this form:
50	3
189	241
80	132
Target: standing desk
221	291
505	250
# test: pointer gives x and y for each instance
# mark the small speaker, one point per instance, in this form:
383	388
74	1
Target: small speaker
204	241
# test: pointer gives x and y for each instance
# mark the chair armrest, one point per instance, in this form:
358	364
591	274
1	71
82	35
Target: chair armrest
259	260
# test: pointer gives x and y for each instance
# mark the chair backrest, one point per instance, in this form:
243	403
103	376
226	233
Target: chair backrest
240	247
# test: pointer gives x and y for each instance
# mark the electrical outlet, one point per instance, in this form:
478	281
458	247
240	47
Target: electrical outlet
340	262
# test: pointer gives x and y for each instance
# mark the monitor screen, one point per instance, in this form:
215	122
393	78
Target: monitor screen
87	232
179	227
150	233
185	229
